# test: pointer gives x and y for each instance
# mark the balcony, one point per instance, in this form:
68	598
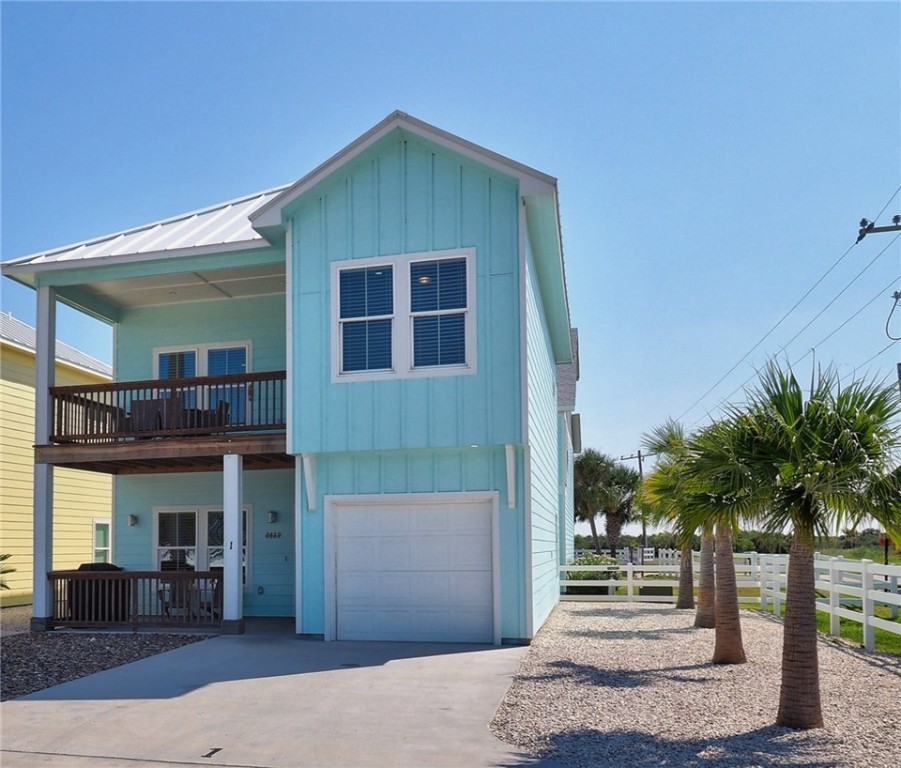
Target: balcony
169	425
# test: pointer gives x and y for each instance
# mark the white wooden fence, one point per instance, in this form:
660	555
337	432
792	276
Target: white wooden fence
846	589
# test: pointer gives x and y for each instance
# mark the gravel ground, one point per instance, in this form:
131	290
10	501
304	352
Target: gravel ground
36	660
632	685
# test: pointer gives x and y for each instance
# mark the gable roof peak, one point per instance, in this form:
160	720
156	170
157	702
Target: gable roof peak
267	219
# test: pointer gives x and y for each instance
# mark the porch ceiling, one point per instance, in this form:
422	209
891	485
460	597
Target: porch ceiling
186	287
202	454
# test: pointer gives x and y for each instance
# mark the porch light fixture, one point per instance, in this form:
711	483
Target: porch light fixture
272	517
132	520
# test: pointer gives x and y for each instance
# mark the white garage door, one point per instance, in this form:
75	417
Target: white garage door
419	572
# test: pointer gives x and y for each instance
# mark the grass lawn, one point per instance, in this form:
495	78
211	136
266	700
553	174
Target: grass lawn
886	642
876	554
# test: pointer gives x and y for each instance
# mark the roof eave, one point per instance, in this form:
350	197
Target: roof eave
267	219
543	224
21	270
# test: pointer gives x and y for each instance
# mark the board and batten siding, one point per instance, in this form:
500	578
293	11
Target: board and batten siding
543	456
405	195
415	472
271	556
259	320
79	497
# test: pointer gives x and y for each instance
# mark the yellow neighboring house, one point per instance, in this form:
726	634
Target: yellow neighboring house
82	500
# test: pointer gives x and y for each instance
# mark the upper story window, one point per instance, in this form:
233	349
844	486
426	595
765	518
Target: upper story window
208	360
405	316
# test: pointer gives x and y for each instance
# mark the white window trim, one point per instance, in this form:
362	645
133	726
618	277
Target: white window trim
202	528
402	319
200	351
109	548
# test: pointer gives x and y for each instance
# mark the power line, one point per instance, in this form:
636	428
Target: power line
869	360
824	339
793	308
897	297
871	301
804	328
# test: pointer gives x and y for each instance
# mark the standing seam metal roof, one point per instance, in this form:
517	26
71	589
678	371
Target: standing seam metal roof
23	335
223	224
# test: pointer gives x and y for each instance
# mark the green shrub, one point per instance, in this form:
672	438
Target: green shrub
591	559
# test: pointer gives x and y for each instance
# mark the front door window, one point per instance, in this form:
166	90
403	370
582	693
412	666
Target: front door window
194	540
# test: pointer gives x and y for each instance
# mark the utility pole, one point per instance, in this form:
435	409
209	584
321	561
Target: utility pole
869	227
640	456
866	227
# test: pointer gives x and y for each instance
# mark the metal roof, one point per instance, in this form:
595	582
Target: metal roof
19	334
221	226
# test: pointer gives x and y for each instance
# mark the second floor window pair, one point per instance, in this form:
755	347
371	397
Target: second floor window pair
404	315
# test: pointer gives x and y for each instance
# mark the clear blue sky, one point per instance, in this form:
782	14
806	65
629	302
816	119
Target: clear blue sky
713	158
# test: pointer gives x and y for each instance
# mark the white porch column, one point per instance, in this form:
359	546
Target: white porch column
45	370
233	503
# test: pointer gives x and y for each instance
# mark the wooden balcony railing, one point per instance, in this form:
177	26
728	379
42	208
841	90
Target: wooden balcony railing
187	599
201	405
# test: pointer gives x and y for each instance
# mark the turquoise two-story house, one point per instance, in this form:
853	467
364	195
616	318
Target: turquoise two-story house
350	398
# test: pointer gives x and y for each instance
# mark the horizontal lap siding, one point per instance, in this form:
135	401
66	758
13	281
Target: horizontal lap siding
272	559
544	458
258	320
407	196
79	497
567	500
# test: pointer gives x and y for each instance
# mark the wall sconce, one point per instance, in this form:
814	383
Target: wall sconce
132	520
272	517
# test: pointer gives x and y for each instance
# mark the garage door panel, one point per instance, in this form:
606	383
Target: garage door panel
420	572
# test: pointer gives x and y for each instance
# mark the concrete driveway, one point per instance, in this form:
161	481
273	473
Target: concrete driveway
273	701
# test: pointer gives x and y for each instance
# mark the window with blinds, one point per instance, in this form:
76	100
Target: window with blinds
407	316
367	308
194	539
438	309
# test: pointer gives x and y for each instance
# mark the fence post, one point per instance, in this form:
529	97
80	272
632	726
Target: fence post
753	572
761	577
893	581
866	606
630	582
777	589
834	626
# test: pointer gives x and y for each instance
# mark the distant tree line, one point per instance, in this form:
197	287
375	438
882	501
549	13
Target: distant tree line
746	541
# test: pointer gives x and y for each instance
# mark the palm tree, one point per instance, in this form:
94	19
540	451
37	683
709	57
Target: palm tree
591	472
705	615
661	493
712	504
810	465
617	502
5	569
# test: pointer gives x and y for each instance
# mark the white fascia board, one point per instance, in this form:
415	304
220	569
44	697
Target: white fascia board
543	226
20	271
531	181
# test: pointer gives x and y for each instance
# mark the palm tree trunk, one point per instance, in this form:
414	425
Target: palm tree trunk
614	529
594	535
799	697
728	648
686	580
705	616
